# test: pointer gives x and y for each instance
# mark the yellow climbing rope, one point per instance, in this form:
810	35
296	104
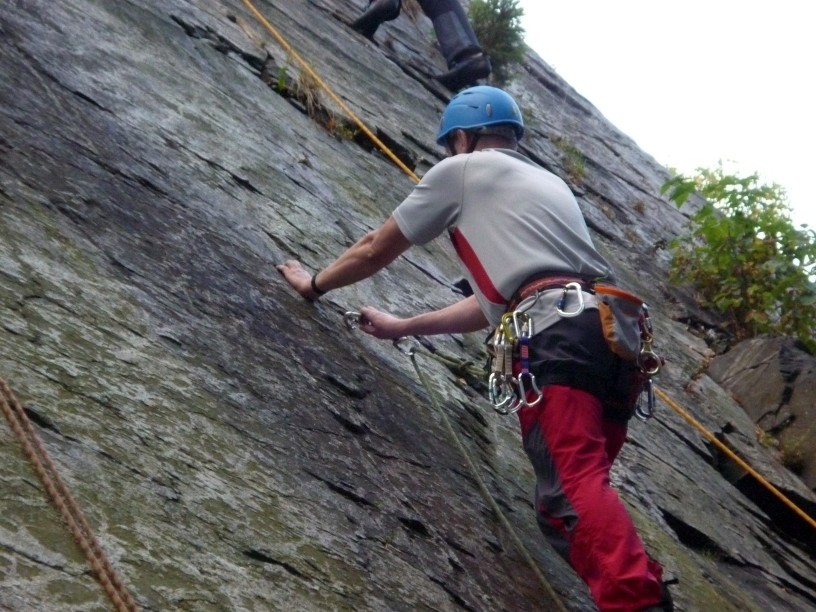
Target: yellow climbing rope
733	456
308	69
63	501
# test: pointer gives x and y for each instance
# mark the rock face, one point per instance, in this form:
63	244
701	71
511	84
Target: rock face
774	379
236	448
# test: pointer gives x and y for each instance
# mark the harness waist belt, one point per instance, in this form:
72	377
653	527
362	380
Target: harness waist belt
545	283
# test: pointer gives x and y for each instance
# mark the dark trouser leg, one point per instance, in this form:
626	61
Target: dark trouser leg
453	30
378	11
458	43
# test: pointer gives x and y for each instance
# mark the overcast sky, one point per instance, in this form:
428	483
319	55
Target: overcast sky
695	82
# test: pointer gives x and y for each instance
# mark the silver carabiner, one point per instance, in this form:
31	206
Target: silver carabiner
526	326
401	344
534	388
518	402
352	319
499	393
562	301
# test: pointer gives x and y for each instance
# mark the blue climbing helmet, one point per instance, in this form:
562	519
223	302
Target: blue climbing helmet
480	107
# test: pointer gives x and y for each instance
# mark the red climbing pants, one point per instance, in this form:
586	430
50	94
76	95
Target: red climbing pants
572	447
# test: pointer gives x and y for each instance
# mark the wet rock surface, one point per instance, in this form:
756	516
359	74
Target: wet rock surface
236	448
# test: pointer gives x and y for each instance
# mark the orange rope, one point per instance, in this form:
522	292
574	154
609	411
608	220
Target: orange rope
733	456
64	502
306	67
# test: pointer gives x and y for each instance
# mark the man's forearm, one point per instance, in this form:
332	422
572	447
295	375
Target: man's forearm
462	317
364	258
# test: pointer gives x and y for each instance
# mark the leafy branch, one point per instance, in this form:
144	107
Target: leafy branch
497	25
744	256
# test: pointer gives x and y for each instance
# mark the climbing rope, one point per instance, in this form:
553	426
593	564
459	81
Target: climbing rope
554	598
463	368
63	501
734	457
308	69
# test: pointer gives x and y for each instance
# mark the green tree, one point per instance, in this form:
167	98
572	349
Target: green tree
744	256
497	24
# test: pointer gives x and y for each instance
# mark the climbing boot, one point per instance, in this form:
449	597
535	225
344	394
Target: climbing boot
466	72
465	59
378	12
666	604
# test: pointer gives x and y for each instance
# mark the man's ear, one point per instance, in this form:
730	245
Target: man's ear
466	141
456	136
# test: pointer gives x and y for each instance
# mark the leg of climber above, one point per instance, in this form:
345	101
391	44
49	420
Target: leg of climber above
378	12
467	63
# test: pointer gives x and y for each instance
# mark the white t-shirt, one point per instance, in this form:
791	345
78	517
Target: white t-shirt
508	219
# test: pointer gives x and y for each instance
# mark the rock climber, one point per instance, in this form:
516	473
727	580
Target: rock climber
518	229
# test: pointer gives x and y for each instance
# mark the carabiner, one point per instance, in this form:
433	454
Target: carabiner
353	319
526	326
563	301
523	391
518	402
400	345
647	413
508	330
499	392
649	361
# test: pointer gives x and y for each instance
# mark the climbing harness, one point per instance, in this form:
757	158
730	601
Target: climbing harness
627	329
404	345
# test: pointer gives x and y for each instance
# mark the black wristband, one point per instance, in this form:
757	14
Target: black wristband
315	288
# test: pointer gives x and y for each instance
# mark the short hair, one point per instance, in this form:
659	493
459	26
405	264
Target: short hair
505	130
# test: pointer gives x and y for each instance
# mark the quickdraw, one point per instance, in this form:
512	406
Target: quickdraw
650	364
649	361
508	392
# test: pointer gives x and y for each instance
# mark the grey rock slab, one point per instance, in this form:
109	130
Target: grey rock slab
236	448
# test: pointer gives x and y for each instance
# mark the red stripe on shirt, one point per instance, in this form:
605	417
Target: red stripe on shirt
472	263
